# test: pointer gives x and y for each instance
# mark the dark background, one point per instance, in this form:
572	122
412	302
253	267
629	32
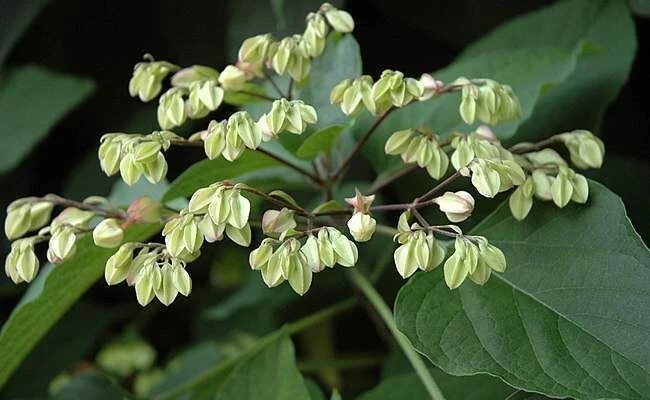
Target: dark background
102	40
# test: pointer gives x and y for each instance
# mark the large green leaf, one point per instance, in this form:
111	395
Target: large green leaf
32	100
92	386
16	18
530	72
583	97
319	142
269	374
568	317
206	172
51	295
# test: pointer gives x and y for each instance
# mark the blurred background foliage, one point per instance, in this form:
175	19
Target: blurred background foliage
64	69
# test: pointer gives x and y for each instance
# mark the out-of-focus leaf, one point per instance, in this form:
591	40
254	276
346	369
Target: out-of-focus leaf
319	142
244	96
32	100
17	15
54	291
92	386
568	317
207	172
580	101
123	194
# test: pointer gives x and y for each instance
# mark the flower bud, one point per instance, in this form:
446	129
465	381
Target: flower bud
521	200
245	127
283	55
312	255
278	222
260	256
299	273
299	66
312	44
336	95
211	231
485	178
74	217
241	236
240	208
463	262
209	95
180	278
182	235
580	189
436	253
22	264
437	167
147	78
215	141
144	210
62	244
232	78
108	233
562	189
456	206
431	86
542	184
404	258
117	266
344	249
325	249
166	291
341	21
130	170
146	152
467	108
39	214
272	271
154	171
492	256
254	50
109	156
362	226
587	150
171	109
545	157
399	141
18	221
147	282
463	155
196	73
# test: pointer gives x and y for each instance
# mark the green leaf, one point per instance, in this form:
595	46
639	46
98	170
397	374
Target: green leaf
605	25
92	386
241	98
331	205
567	318
206	172
269	374
32	100
529	72
319	142
54	291
16	18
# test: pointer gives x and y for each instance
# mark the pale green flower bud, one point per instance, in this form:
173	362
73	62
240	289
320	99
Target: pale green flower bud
255	49
436	253
211	231
542	183
299	273
110	154
352	100
283	56
492	256
325	249
431	86
117	266
171	109
144	258
399	141
241	236
206	94
484	132
463	155
147	78
485	178
587	150
180	278
108	233
245	127
196	73
130	170
74	217
562	189
21	264
467	108
336	95
62	244
437	167
341	21
182	234
521	200
201	199
240	208
215	141
311	44
166	291
219	206
261	255
39	214
278	222
18	221
154	171
510	174
580	189
194	107
311	253
146	152
362	226
234	143
272	271
144	209
463	262
147	282
300	66
545	157
345	250
414	87
457	206
405	259
232	78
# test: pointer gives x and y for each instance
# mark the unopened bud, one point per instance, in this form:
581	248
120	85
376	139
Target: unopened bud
117	266
108	233
457	206
62	244
18	221
362	226
232	78
144	210
340	20
278	222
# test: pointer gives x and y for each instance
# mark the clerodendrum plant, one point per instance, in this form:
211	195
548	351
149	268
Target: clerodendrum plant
300	243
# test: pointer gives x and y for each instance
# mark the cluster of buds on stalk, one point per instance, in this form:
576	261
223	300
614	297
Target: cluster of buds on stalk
418	248
361	225
390	90
153	271
419	146
292	116
279	260
134	156
487	100
231	137
475	258
147	78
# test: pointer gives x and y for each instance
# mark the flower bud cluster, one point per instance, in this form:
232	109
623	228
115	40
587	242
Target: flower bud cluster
22	264
586	150
296	263
286	115
24	216
154	273
135	155
418	249
361	225
390	90
493	168
231	137
475	258
487	101
220	208
290	58
421	147
147	78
